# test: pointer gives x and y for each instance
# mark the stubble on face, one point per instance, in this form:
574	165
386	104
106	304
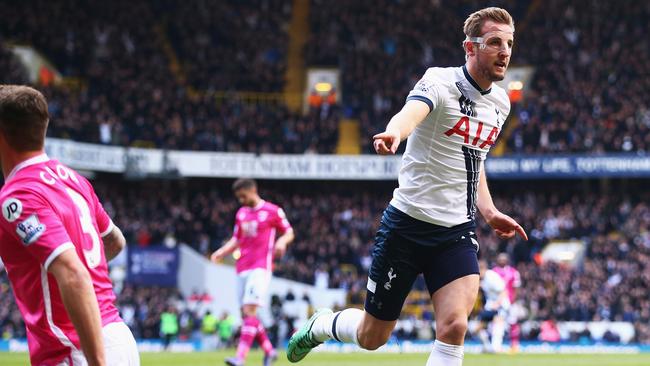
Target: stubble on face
487	61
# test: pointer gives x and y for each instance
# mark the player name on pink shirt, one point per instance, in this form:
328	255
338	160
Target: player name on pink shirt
47	208
255	231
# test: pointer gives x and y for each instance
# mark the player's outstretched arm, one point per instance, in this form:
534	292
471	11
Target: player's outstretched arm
114	242
400	127
80	302
225	249
504	226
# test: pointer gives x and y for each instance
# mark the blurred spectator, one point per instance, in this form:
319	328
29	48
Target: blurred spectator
169	326
549	331
321	278
209	325
226	330
611	337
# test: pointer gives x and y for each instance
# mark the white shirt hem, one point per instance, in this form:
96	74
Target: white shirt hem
56	252
108	229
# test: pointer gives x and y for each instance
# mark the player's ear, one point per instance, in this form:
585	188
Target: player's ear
469	48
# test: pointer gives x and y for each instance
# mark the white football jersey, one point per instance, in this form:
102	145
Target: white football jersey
493	285
440	169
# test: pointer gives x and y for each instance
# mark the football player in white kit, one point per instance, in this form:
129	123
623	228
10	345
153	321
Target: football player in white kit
451	118
495	310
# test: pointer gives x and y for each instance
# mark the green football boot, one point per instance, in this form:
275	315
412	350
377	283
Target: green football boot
302	341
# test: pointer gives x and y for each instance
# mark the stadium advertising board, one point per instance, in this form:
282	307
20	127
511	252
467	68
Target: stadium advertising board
569	166
325	167
154	266
471	347
80	155
339	167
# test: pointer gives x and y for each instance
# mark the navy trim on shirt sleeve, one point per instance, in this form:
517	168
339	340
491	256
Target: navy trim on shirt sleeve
421	99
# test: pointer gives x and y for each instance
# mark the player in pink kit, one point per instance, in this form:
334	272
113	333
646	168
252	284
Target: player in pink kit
55	239
511	277
256	225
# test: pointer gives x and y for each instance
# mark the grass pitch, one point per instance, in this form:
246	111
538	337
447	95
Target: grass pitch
372	359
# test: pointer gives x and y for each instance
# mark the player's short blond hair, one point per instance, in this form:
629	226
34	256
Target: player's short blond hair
474	22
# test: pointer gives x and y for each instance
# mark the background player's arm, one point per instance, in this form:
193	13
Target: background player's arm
283	226
114	242
283	241
225	249
80	302
517	284
400	126
504	226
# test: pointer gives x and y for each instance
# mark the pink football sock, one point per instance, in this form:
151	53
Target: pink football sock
263	339
248	332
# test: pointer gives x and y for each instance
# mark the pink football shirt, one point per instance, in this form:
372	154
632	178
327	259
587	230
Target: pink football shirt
47	208
512	279
255	230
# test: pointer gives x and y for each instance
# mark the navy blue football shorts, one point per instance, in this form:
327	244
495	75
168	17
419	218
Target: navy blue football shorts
406	247
487	315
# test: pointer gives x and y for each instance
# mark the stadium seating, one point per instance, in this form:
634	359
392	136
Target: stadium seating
336	228
130	85
230	45
590	93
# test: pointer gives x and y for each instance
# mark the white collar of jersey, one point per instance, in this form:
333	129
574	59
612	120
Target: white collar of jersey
474	83
24	164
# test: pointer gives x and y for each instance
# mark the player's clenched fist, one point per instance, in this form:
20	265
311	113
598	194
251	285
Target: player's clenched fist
386	142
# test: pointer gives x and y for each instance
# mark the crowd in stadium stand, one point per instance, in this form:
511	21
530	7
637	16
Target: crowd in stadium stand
230	45
128	95
12	70
589	93
381	57
591	90
335	229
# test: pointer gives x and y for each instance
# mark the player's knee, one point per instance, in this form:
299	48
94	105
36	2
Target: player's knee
371	340
452	329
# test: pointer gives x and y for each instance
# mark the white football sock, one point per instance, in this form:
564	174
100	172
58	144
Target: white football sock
444	354
498	329
341	326
485	340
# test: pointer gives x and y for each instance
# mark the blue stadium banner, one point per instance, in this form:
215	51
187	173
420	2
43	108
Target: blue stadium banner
153	266
568	166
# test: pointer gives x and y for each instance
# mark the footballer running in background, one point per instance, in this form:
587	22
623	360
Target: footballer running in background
55	241
512	278
256	224
495	309
452	117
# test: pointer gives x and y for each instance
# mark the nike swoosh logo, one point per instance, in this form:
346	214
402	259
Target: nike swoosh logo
297	356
